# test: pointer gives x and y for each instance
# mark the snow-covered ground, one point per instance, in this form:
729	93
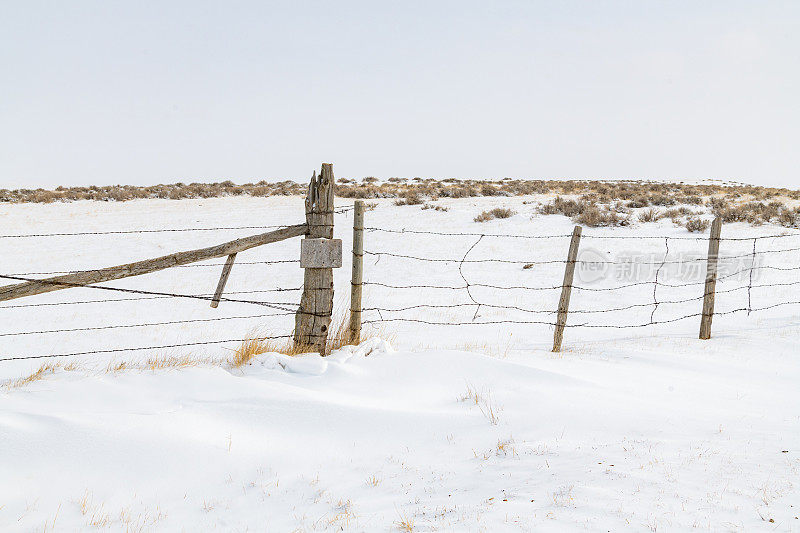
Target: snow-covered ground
453	428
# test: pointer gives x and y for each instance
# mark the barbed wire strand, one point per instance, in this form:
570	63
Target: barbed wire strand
159	230
135	299
195	265
461	273
561	236
582	325
564	261
750	281
142	325
655	282
275	305
140	348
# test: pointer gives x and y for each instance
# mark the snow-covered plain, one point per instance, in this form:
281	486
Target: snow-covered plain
450	428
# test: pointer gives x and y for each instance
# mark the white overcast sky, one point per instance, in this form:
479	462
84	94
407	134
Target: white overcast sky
146	92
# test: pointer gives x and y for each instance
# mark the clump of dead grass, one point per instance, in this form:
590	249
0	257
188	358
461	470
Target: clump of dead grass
650	215
44	370
409	198
506	447
696	225
405	523
587	211
594	216
497	212
339	336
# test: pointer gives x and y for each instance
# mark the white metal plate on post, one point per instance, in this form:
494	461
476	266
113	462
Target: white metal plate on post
320	253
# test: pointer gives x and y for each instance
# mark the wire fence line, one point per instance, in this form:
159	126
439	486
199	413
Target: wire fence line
567	235
563	261
154	230
139	298
276	305
377	315
581	325
141	348
196	265
146	324
282	308
470	288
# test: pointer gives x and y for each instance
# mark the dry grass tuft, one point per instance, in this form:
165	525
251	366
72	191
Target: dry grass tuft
472	395
435	207
405	523
497	212
490	410
606	216
170	361
587	212
650	215
506	447
697	225
116	367
409	198
483	401
339	335
44	370
253	347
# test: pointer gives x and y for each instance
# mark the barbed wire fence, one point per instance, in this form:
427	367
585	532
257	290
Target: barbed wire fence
484	296
728	267
278	309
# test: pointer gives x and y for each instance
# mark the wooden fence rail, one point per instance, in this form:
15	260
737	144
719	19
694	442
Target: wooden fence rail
89	277
320	253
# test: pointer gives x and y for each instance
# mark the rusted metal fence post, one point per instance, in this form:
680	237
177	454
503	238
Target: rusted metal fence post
358	272
711	279
318	258
566	289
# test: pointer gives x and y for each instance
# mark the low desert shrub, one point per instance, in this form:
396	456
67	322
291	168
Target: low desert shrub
696	225
650	215
497	212
435	207
409	198
595	217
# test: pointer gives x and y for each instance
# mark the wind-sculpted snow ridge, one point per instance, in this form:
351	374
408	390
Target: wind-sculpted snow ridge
636	436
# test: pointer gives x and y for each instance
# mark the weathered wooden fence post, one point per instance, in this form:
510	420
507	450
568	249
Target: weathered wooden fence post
358	272
223	279
566	288
711	279
318	257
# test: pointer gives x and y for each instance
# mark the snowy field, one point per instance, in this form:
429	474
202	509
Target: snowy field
423	427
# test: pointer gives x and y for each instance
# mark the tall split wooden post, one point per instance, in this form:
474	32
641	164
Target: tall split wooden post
711	279
358	272
566	289
320	253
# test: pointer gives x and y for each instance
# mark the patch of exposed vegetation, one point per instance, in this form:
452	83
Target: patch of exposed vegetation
497	212
592	203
